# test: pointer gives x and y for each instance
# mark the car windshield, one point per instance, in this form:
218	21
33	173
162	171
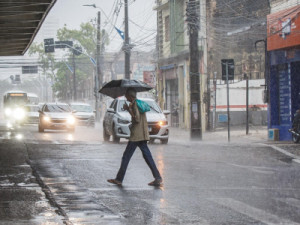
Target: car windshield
57	108
153	106
82	108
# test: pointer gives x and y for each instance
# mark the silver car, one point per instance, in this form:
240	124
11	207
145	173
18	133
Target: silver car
32	113
116	121
84	114
56	116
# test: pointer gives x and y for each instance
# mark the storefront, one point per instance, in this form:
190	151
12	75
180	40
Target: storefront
284	58
169	74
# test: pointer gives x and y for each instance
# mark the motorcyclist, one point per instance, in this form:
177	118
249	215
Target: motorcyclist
296	120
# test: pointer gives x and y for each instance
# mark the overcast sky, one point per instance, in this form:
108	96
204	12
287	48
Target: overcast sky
142	24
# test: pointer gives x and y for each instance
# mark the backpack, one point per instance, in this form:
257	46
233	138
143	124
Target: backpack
142	106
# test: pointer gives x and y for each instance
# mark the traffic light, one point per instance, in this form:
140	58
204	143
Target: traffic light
49	45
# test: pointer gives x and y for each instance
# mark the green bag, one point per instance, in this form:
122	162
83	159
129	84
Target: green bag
142	106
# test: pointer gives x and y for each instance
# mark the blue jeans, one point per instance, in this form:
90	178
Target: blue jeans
131	146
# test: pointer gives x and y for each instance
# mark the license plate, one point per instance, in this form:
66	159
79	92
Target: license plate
59	125
149	129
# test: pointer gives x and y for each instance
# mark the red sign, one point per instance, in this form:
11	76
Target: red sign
284	29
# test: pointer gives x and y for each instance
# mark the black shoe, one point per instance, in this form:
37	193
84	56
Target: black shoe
156	183
114	181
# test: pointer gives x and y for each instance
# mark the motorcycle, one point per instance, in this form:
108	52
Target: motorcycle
295	133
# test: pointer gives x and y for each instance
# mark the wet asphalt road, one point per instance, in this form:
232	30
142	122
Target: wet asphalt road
204	183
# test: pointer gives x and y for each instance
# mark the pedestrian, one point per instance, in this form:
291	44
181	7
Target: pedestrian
139	136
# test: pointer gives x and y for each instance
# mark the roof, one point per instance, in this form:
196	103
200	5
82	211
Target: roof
56	103
20	20
79	103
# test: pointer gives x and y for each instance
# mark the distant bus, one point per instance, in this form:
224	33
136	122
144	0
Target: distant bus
13	102
32	99
14	98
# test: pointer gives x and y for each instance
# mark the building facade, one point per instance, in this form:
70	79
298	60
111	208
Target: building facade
172	69
284	60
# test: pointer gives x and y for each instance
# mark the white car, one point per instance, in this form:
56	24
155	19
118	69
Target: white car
32	113
84	114
116	121
56	116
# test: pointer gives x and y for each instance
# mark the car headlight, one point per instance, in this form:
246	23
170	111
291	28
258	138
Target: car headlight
19	113
7	112
123	121
162	123
71	120
46	118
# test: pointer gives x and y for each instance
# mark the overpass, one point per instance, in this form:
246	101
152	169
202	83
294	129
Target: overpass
20	21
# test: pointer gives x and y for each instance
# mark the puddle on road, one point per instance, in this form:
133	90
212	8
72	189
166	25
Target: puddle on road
286	159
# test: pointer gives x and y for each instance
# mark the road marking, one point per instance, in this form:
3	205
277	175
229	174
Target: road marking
178	213
295	159
254	213
258	169
291	201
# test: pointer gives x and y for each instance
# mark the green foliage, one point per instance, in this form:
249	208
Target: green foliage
46	60
86	37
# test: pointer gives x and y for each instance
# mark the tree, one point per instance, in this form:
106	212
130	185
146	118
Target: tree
46	60
59	70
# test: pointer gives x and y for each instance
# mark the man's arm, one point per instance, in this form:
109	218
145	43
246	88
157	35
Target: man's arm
133	111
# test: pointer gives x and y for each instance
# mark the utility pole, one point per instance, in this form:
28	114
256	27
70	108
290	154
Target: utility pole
126	46
74	78
228	105
98	80
195	101
208	103
247	103
215	102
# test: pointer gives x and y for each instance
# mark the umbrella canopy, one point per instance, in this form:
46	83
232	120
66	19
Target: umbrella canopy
116	88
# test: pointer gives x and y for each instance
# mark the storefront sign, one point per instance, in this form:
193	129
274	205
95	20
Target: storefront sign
285	96
149	78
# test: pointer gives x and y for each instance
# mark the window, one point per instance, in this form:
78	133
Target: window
167	28
29	69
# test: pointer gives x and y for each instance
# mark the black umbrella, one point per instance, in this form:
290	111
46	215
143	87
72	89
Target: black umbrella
116	88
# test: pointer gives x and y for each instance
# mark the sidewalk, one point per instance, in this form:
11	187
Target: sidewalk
22	200
237	134
257	134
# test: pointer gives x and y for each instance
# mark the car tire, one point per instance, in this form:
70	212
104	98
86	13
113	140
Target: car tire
115	138
164	141
295	138
105	135
41	129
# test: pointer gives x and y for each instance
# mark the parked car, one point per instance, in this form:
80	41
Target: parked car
32	113
56	116
116	121
84	114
